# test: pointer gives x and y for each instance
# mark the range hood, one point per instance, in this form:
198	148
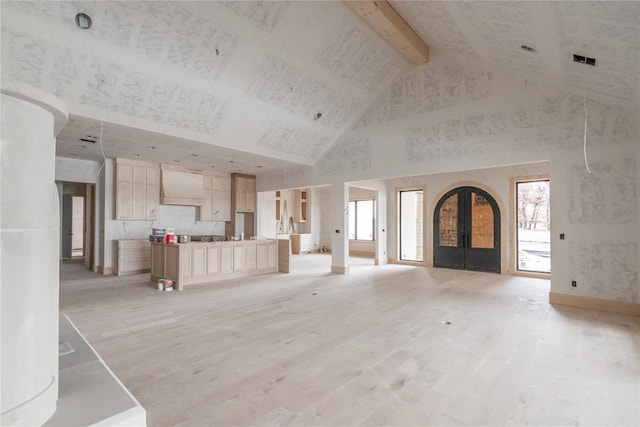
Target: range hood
182	188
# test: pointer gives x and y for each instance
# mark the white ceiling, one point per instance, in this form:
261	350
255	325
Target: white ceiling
244	81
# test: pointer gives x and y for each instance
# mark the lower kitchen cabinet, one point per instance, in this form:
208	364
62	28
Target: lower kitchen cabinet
200	262
134	256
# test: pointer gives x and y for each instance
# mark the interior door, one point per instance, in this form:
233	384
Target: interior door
67	225
467	231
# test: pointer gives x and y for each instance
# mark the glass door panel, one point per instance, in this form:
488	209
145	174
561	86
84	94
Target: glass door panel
449	222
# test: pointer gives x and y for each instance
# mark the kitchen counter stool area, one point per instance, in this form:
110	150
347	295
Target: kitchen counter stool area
200	262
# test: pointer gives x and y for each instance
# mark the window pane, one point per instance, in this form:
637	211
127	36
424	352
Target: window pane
449	222
364	224
411	226
481	222
352	220
534	223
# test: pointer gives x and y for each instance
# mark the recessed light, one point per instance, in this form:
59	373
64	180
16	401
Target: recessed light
136	154
317	116
527	48
83	21
151	146
212	166
259	166
230	161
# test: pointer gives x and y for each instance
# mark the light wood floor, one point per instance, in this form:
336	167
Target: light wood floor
311	348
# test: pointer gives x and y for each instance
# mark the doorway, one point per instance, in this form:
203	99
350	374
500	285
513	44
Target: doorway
467	231
411	225
533	235
73	237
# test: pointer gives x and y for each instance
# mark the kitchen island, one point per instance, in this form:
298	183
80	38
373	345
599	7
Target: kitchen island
200	262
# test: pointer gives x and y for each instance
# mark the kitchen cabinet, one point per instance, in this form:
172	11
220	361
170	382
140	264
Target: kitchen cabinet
199	262
226	259
217	203
134	256
300	208
213	261
250	256
137	190
238	257
301	243
244	191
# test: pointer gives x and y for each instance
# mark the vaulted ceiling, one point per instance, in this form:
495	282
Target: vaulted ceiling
252	86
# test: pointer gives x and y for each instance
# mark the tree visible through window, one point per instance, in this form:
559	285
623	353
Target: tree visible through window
534	223
361	219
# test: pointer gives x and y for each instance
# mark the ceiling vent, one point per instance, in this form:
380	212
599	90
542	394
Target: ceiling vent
584	59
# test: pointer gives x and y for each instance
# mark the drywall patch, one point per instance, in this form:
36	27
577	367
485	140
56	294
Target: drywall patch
347	155
606	196
28	55
608	271
263	14
357	57
428	88
286	138
433	21
283	85
132	93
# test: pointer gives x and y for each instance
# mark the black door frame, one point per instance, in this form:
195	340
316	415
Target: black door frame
463	256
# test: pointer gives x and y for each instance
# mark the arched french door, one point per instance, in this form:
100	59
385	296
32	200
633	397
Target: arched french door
466	226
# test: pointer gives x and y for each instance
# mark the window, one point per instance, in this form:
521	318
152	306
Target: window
361	219
534	221
411	225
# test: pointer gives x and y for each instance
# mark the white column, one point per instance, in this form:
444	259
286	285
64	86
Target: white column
108	217
340	225
29	251
381	227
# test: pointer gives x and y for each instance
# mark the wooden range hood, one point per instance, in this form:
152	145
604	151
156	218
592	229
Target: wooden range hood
181	186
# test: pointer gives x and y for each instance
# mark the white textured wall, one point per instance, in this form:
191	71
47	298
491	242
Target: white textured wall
445	116
496	181
76	170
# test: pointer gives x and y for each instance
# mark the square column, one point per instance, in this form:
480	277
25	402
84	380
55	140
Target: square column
340	228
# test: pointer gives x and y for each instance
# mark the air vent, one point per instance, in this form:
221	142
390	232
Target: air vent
584	60
93	141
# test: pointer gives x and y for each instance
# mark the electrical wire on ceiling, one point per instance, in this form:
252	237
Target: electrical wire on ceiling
104	158
586	120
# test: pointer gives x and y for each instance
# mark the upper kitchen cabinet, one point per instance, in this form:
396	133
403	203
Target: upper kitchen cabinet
300	209
243	188
137	190
217	203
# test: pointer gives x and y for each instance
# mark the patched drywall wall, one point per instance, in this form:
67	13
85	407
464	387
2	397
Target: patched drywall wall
76	170
451	116
496	181
299	72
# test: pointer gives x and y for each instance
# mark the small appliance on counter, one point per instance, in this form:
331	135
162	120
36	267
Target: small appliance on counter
171	239
183	238
163	235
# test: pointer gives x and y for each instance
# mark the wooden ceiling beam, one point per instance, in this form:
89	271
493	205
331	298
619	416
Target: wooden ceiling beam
383	18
